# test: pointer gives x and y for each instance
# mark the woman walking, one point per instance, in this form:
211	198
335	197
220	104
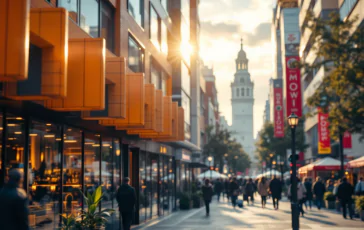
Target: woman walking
207	193
301	191
263	186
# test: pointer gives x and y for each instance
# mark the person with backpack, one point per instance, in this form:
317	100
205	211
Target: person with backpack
207	193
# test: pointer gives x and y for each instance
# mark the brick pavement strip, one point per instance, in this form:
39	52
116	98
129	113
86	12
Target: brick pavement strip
224	217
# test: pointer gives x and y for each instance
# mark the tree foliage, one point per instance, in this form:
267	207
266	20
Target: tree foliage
268	144
340	52
222	146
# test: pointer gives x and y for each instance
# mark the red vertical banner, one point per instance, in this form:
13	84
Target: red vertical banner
324	146
347	140
293	86
278	108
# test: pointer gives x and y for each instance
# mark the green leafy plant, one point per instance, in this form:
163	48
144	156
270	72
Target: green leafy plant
90	218
184	201
196	199
359	203
329	196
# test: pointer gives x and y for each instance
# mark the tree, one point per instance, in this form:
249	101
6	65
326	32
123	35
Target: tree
268	144
221	143
340	51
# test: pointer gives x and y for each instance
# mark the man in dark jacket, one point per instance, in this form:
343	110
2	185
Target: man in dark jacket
275	188
249	191
226	188
344	193
218	189
126	199
309	195
14	204
207	195
233	191
319	191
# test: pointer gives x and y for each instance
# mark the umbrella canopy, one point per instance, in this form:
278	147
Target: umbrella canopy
272	173
324	164
357	163
211	174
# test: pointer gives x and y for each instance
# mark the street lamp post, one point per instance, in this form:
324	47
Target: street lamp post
271	164
210	160
293	121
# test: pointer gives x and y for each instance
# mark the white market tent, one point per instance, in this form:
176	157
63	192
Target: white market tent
211	174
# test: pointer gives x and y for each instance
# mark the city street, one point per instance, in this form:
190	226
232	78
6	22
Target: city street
223	216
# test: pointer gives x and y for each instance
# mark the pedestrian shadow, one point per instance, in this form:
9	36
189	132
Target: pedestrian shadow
266	215
319	220
316	214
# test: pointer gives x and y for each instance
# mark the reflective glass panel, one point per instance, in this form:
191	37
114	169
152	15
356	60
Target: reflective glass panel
106	172
135	56
136	10
72	7
107	24
89	19
154	28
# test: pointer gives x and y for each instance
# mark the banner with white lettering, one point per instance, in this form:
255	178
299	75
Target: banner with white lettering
324	146
293	86
278	108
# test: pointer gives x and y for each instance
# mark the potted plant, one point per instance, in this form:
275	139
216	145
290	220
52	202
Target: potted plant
359	206
329	198
184	201
197	199
90	218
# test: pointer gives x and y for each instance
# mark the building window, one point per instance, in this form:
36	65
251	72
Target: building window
247	92
164	38
185	78
242	92
237	92
154	28
136	10
135	56
164	83
186	104
89	19
165	4
107	24
72	7
346	8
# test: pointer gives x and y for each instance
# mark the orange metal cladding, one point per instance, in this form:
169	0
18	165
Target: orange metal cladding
86	77
135	102
115	72
175	126
150	118
167	121
158	117
49	31
14	39
181	124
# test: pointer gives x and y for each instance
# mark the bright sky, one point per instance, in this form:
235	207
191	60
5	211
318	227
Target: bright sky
223	22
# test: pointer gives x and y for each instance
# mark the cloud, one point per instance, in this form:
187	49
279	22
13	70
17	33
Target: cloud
261	35
221	29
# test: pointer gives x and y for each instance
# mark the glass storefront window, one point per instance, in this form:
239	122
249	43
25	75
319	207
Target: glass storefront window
135	56
143	195
116	174
165	186
148	184
154	182
92	162
45	167
154	28
72	7
107	24
136	10
89	18
171	189
106	172
15	144
72	163
1	151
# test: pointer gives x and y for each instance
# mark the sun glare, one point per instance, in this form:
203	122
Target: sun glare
186	50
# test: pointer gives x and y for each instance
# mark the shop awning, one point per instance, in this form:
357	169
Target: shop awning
357	163
324	164
211	174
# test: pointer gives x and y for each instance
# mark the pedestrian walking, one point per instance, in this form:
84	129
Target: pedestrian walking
14	203
218	189
359	188
207	193
345	192
301	191
275	188
226	189
126	198
234	191
318	192
330	186
263	187
309	194
249	191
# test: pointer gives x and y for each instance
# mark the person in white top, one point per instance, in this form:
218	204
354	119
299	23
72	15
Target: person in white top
359	188
301	195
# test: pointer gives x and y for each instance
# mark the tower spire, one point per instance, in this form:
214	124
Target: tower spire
241	43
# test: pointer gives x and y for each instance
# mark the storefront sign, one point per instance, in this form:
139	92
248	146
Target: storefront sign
278	108
347	140
324	146
293	87
186	157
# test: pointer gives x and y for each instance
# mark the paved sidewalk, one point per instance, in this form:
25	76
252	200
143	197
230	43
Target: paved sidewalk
224	217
